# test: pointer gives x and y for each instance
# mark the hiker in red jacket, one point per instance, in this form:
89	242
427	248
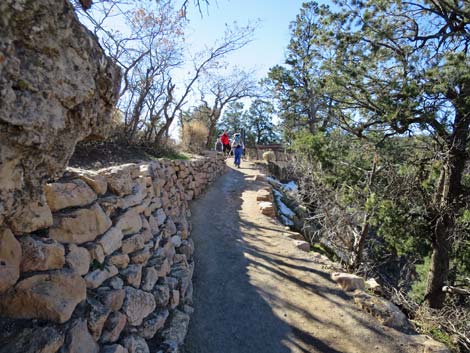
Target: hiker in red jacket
225	142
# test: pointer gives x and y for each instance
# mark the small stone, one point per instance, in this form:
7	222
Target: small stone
135	344
97	317
160	216
111	240
78	259
150	278
161	293
177	327
119	260
36	297
116	283
175	299
113	327
138	305
264	195
267	208
80	226
96	278
133	243
302	245
112	299
94	180
10	259
154	228
169	229
119	179
79	340
186	248
72	194
96	252
141	256
153	323
36	215
176	240
130	222
41	255
348	282
132	275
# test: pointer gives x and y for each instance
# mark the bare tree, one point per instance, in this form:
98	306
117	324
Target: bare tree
219	91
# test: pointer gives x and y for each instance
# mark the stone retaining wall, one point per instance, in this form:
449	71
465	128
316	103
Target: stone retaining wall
105	263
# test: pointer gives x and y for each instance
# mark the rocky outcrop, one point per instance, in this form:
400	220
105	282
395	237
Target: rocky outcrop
56	88
113	270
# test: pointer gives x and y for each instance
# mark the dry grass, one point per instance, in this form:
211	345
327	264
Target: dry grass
194	136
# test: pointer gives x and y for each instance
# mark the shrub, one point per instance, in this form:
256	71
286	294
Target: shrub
194	136
269	156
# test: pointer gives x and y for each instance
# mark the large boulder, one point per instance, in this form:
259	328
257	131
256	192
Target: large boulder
51	296
41	254
57	87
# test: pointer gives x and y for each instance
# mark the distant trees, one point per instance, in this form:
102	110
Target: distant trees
378	73
257	121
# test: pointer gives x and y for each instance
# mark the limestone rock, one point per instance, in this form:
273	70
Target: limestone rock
153	323
57	87
130	222
160	216
302	245
80	226
385	312
96	252
135	344
161	293
267	208
119	179
133	243
96	278
150	278
113	327
348	282
112	298
97	315
186	248
139	192
170	228
177	327
78	259
141	256
36	297
132	275
97	182
138	305
10	259
175	299
264	195
68	194
79	340
115	348
119	260
41	255
34	340
33	216
111	240
116	283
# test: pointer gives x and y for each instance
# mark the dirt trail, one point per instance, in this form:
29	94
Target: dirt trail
255	292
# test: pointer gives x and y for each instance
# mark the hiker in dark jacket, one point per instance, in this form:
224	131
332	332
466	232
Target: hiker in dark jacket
238	147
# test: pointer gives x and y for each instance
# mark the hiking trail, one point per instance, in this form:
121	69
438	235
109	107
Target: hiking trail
255	292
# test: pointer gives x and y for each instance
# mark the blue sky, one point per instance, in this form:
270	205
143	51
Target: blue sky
270	39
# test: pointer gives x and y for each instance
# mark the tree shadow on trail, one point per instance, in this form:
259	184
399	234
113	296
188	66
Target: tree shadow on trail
232	314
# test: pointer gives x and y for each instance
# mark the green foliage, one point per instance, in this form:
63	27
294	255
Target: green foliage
418	288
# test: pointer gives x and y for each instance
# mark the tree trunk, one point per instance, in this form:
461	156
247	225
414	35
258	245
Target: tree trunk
450	203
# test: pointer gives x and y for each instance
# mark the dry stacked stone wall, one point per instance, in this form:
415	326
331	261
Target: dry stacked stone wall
107	266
